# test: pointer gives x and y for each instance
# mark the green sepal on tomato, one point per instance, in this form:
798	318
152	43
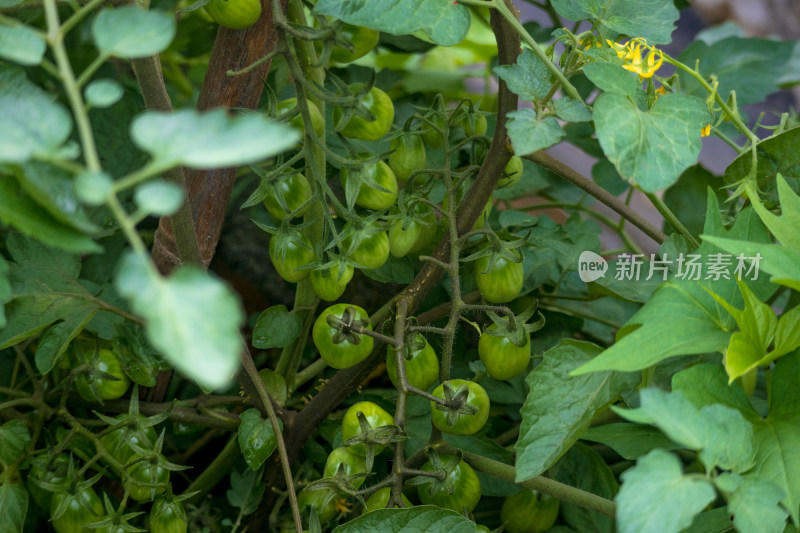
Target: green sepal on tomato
146	480
71	512
122	441
367	247
290	252
286	194
529	512
350	463
234	14
373	185
362	39
375	415
330	282
421	363
379	106
460	491
168	517
45	475
317	120
470	417
338	345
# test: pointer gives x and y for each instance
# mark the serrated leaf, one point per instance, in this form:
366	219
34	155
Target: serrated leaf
583	468
276	328
132	32
444	21
653	20
21	44
549	425
614	79
191	317
707	384
14	503
755	507
529	78
631	441
103	93
650	148
529	134
413	520
656	496
256	438
209	140
571	110
14	438
781	262
246	491
784	227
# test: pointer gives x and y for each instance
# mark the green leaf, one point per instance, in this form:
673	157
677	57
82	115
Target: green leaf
486	447
713	521
656	496
22	45
687	197
631	441
256	438
192	318
650	148
782	263
276	328
529	134
707	384
93	188
158	197
445	22
529	77
571	110
751	67
209	140
246	491
14	438
412	520
721	435
32	124
583	468
57	339
18	210
394	270
14	503
784	227
754	503
103	93
131	32
5	291
549	425
614	79
653	20
682	318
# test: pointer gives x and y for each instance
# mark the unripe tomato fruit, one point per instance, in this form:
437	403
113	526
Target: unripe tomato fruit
141	486
432	137
84	508
119	441
529	512
502	283
408	156
317	120
330	283
56	475
345	353
466	489
313	499
512	173
234	14
107	361
481	221
422	370
380	499
380	105
466	424
168	517
502	359
409	235
363	40
372	251
289	253
368	196
294	189
376	415
474	124
353	464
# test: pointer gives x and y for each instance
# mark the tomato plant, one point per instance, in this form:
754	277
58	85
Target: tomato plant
512	173
285	107
329	283
286	195
470	413
362	39
380	499
291	253
168	516
463	493
368	247
71	512
377	185
339	345
106	381
146	480
234	14
529	512
122	442
375	415
501	281
408	155
502	359
381	111
350	464
421	364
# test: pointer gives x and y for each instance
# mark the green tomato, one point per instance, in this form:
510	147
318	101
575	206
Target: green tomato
168	517
422	370
466	424
380	105
529	512
380	499
119	441
363	41
314	499
413	233
341	349
502	359
369	196
146	480
408	156
107	389
317	120
432	137
290	252
234	14
372	250
466	489
481	221
353	464
474	124
330	283
55	475
286	194
512	173
376	415
83	508
502	283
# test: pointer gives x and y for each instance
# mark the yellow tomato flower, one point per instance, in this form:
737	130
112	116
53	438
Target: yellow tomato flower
647	66
619	48
706	131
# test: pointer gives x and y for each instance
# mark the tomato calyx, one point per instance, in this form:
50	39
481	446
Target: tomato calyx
439	477
375	439
455	403
349	327
516	327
